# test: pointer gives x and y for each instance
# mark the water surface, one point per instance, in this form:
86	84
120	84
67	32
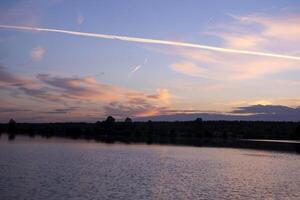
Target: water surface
68	169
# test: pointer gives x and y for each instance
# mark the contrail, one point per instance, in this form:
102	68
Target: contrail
152	41
134	70
137	67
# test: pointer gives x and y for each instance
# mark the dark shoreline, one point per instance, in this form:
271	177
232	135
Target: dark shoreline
194	142
289	147
235	134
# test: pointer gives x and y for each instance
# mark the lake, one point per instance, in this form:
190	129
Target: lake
77	169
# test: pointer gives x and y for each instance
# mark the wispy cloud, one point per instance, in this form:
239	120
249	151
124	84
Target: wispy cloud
12	110
133	108
254	112
267	109
282	27
64	110
10	80
162	95
276	33
189	68
85	91
80	19
37	53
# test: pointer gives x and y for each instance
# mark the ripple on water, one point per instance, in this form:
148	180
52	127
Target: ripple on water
33	170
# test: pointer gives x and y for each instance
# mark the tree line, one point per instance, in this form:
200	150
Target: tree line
150	130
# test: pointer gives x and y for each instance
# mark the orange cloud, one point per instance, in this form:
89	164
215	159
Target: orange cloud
86	91
162	96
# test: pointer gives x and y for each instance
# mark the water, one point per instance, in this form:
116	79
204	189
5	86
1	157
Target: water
274	141
66	169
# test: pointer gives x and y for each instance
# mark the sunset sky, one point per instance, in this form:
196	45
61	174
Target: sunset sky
51	76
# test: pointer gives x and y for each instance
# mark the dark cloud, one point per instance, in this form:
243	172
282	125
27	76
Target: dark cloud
29	87
60	89
70	85
266	109
247	113
10	110
133	107
68	91
83	88
9	80
41	93
62	110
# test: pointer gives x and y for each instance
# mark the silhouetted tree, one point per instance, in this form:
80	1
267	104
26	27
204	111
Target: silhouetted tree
199	120
12	130
128	120
296	136
108	124
12	126
110	120
174	132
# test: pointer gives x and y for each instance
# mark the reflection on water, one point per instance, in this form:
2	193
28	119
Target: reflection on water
274	141
259	154
66	169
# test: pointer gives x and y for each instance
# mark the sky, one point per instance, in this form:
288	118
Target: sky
54	76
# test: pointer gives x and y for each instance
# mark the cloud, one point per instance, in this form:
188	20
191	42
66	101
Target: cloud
80	19
37	53
162	95
87	89
62	110
132	108
254	32
75	92
12	110
243	41
189	68
282	27
83	88
138	105
119	102
28	86
267	109
41	93
9	80
247	113
232	68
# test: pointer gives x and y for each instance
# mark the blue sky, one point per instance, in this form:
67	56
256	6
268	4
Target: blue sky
57	77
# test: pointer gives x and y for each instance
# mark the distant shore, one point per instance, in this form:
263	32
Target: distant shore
243	134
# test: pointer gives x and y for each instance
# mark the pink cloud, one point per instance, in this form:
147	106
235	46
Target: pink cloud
279	33
86	92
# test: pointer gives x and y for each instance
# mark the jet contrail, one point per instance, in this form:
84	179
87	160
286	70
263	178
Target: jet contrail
137	67
134	70
152	41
